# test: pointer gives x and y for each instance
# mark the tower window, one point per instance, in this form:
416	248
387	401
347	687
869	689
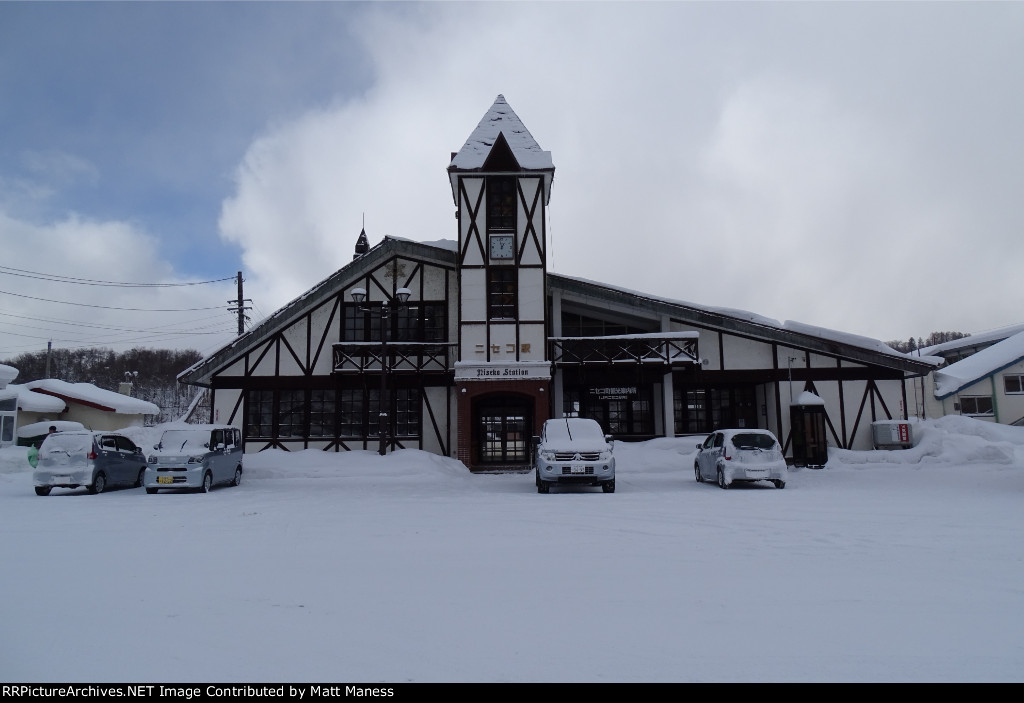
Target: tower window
501	204
501	293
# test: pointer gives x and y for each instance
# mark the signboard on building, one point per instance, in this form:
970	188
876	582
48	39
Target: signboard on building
524	370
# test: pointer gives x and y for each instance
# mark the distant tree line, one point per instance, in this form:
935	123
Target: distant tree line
934	338
152	372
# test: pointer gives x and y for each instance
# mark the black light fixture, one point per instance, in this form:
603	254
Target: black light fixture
401	299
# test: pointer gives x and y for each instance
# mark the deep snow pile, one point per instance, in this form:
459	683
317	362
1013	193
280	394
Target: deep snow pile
953	440
948	441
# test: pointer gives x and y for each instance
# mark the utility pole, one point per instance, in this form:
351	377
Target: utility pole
240	306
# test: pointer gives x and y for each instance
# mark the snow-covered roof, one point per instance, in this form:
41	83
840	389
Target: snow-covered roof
501	119
986	362
31	402
975	339
808	398
827	335
89	394
40	428
7	374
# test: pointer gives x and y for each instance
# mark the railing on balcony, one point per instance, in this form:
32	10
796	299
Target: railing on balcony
403	357
671	349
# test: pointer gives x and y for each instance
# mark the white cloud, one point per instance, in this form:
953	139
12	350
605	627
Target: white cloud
737	163
35	310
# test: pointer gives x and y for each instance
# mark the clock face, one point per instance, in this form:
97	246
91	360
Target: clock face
502	246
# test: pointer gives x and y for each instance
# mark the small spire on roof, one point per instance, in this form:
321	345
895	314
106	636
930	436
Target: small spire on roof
362	244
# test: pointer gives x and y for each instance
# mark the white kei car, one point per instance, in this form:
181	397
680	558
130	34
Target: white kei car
727	456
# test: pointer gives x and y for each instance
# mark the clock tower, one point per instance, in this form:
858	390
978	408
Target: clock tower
501	184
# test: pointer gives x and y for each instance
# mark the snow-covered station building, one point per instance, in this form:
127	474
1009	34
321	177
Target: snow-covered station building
481	344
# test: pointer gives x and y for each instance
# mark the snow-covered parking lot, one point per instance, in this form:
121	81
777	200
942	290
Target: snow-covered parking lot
885	566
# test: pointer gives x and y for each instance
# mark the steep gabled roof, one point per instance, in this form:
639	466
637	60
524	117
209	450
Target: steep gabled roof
974	368
502	121
442	252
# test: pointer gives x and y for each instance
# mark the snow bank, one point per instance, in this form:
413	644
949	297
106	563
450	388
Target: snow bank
313	463
948	441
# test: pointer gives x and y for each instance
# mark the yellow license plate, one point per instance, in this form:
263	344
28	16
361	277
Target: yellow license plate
165	479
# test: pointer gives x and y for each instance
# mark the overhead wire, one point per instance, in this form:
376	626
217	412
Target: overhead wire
118	334
58	278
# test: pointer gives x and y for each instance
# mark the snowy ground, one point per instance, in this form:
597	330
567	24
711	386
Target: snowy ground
885	566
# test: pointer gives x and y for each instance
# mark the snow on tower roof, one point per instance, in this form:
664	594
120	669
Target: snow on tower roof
501	119
988	361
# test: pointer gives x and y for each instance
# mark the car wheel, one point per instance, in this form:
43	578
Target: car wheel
779	484
207	482
151	491
543	487
43	490
696	472
99	484
238	476
721	479
141	478
608	486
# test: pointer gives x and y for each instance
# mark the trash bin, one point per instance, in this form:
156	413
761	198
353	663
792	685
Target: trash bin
808	431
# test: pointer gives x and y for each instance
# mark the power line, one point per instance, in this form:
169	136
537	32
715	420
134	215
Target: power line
107	307
57	278
70	323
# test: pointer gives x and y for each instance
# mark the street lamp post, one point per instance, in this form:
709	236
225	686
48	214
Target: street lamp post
402	296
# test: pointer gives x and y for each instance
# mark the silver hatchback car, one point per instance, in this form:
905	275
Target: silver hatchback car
196	457
96	460
727	456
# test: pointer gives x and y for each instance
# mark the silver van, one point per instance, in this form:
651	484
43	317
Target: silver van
574	450
96	460
195	457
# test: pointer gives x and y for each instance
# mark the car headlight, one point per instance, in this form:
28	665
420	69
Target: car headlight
195	460
547	455
151	459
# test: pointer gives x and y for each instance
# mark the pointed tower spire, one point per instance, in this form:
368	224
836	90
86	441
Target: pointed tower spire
362	244
502	142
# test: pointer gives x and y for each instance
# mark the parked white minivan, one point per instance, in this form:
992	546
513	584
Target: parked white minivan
195	457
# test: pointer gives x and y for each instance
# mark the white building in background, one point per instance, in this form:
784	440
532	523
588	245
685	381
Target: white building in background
986	382
8	405
490	343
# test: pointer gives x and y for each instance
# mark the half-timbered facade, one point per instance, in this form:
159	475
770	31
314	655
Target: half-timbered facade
490	343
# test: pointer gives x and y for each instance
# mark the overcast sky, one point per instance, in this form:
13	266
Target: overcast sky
856	166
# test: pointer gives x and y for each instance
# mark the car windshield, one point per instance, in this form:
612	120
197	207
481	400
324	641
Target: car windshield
184	440
753	440
76	443
575	430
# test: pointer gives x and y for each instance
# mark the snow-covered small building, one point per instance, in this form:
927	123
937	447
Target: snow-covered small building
490	343
987	384
95	408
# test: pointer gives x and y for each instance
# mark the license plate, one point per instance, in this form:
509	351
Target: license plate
578	470
165	479
60	479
